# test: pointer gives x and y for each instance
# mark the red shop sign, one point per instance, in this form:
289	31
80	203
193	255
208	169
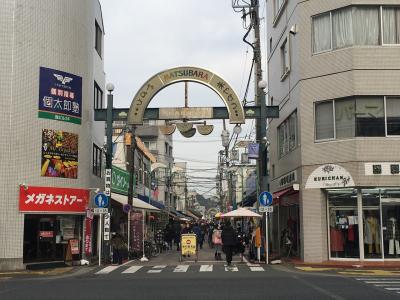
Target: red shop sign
52	199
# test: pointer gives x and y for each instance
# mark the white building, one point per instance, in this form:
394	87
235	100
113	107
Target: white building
51	78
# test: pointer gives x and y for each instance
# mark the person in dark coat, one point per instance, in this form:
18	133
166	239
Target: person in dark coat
199	235
228	237
118	245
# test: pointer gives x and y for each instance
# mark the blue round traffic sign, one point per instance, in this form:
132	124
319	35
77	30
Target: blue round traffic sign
265	198
101	200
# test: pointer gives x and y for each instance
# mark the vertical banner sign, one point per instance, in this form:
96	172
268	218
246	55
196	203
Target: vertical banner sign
106	233
59	154
253	150
88	232
60	96
107	188
136	230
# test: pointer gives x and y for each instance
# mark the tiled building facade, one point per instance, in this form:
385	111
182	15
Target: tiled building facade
55	49
333	69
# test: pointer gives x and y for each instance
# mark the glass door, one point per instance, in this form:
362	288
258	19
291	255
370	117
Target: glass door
391	228
371	223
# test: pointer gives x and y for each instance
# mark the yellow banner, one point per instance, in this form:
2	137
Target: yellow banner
188	244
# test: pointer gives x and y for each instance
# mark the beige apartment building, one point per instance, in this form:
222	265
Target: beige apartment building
334	71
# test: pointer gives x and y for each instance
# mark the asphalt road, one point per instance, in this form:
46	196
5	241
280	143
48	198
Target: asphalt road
197	282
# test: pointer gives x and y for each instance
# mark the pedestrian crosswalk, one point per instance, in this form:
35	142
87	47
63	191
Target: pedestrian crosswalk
206	268
388	283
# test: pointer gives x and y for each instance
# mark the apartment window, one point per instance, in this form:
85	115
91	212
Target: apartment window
359	116
393	115
345	118
151	145
97	155
285	58
322	33
370	117
345	27
98	97
324	124
278	4
391	25
287	135
98	39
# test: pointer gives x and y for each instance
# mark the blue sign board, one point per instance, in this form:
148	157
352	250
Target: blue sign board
101	200
60	96
265	199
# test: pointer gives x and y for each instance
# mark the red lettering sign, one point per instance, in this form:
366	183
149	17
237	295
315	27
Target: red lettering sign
51	199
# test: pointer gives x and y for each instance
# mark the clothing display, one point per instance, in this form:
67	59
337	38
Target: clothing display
371	234
392	234
337	240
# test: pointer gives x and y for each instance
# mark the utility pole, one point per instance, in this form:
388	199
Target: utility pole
261	123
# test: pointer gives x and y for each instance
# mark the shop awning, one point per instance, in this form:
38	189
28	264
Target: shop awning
136	203
249	200
281	193
293	199
153	202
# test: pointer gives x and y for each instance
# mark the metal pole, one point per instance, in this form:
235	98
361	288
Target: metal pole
100	236
144	258
260	101
266	239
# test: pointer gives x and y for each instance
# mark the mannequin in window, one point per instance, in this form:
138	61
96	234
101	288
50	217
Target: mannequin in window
392	234
371	233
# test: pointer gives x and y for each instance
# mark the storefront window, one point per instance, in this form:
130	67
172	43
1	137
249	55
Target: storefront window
372	223
343	223
390	199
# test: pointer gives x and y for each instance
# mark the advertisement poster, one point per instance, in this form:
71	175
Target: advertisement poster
60	96
59	154
136	230
52	199
74	244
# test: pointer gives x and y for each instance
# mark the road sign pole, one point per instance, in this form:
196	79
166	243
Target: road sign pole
266	239
100	237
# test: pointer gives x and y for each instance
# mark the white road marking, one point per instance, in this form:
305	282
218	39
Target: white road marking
160	267
107	270
132	270
231	269
378	282
181	268
257	269
370	279
392	289
157	269
206	268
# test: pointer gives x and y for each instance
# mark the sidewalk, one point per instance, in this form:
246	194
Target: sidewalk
345	264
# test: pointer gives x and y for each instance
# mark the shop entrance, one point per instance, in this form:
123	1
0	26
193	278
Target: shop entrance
46	236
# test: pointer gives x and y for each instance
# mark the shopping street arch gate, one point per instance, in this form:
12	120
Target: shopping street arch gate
139	111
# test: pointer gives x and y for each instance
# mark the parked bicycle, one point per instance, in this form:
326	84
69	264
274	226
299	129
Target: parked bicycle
150	249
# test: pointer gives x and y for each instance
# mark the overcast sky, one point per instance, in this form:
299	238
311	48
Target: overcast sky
143	38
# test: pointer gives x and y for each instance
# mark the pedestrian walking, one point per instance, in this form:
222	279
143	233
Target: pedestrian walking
217	242
228	237
199	235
